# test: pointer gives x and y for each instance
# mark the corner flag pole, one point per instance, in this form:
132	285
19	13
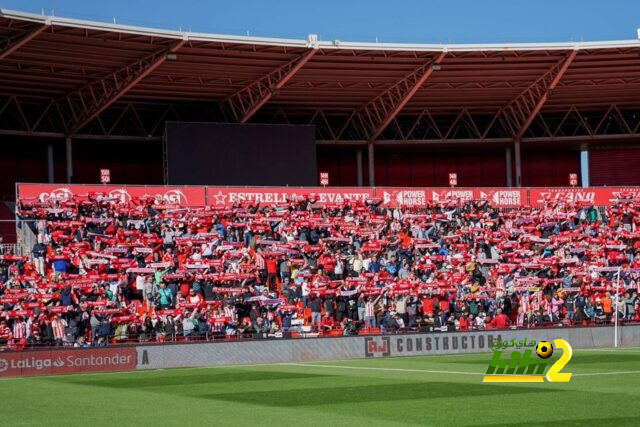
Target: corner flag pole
615	327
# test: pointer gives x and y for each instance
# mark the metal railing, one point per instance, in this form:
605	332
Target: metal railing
8	248
25	236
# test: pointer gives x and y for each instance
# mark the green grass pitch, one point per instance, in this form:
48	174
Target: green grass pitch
430	390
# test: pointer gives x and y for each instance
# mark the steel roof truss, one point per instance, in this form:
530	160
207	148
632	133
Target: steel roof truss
378	113
245	102
12	44
520	112
87	102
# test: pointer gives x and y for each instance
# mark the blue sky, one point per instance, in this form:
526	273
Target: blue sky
410	21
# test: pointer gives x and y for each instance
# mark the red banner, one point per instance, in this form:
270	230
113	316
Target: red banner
419	197
178	195
52	362
598	196
390	196
229	196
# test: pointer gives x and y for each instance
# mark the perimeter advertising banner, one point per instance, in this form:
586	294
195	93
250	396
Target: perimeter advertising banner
179	195
223	197
372	346
598	196
229	196
505	197
70	361
419	197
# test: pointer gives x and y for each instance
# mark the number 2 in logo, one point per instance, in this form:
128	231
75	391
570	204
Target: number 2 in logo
554	374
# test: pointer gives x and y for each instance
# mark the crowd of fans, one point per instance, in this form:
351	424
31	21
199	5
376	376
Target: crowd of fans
104	271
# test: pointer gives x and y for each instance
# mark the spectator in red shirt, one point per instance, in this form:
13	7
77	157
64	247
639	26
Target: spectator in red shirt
5	333
271	272
501	320
427	306
463	322
327	322
193	297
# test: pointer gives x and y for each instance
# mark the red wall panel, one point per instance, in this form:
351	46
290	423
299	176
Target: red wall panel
430	166
549	167
408	166
341	164
129	162
419	166
21	160
25	160
617	166
415	166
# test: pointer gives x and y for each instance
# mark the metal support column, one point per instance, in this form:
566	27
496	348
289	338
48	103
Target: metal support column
507	162
516	151
50	173
69	153
371	165
359	167
584	167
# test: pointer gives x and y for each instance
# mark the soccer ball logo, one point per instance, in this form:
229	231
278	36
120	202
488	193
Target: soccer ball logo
544	350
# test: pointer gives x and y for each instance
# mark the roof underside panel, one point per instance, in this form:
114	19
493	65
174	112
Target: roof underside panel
67	55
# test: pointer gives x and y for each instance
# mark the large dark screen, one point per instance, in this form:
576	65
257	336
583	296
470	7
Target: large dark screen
240	154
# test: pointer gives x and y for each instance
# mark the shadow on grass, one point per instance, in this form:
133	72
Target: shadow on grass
187	379
354	394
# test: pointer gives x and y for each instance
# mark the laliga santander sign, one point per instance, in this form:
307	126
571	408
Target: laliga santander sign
30	363
66	361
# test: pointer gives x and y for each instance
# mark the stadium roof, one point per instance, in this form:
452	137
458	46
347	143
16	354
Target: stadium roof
78	78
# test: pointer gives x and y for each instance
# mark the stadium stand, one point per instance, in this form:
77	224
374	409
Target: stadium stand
106	271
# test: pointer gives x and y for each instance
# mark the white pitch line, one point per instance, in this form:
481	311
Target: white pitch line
607	373
610	349
437	372
381	369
